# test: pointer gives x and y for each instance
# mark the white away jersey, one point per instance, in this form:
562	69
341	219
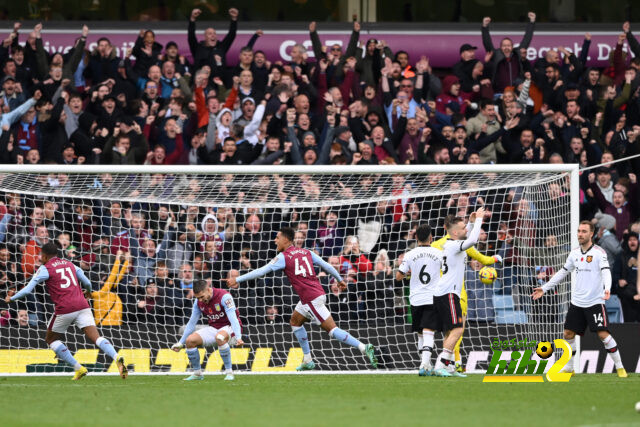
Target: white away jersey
424	264
590	266
454	262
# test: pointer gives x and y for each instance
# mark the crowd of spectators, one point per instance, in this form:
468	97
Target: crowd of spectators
359	104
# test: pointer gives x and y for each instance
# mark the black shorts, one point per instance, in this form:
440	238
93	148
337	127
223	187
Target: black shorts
449	312
425	317
578	318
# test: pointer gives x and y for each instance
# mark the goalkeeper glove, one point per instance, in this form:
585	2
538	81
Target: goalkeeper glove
497	259
177	346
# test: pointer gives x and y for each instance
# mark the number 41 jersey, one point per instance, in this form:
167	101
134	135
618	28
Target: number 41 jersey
424	264
298	267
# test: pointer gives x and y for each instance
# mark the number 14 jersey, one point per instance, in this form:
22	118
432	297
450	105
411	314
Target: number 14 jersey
424	264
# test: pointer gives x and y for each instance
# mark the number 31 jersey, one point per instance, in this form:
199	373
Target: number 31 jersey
63	286
424	264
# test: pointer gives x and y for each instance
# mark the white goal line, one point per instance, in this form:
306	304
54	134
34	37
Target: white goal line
240	373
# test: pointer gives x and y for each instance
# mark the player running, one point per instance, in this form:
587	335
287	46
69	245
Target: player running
297	264
71	307
474	254
423	263
592	288
224	328
447	294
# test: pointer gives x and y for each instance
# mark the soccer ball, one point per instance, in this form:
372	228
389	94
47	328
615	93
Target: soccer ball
488	275
544	349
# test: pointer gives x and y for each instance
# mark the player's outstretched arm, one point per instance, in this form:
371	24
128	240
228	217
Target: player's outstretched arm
317	260
41	275
482	258
275	265
190	328
230	310
557	278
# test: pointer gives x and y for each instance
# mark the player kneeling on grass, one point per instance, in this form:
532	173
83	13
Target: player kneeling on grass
71	307
592	288
297	264
224	329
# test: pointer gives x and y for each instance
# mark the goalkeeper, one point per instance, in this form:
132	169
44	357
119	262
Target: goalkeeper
475	254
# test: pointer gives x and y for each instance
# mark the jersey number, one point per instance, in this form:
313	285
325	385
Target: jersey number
445	267
598	318
68	277
300	269
424	277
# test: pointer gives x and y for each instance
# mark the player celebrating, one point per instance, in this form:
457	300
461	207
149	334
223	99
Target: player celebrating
592	288
447	294
474	254
297	265
423	263
61	280
224	328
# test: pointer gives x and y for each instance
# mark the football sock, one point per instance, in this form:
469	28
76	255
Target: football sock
225	354
572	344
64	354
346	338
612	348
194	358
420	342
427	347
104	345
301	333
445	359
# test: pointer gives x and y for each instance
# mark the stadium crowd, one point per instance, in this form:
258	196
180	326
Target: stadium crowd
360	104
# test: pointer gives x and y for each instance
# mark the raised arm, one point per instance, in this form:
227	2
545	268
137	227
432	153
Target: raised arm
486	37
41	275
474	235
230	310
528	33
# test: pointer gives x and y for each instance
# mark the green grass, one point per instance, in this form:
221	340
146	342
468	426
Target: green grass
322	400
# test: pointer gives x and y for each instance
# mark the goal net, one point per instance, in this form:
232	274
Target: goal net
143	235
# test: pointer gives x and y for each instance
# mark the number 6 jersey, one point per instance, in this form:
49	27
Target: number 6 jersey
424	264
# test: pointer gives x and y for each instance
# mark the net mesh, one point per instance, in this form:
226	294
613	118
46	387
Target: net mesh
142	239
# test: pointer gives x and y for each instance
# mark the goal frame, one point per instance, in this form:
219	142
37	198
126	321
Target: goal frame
571	169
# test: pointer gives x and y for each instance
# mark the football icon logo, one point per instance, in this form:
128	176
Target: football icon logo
544	349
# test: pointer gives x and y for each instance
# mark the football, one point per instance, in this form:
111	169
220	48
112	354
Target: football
544	349
488	275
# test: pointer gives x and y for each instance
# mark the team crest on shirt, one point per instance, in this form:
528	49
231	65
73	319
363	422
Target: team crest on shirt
217	306
589	258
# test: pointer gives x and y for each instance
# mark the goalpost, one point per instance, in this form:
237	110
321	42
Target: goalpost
142	234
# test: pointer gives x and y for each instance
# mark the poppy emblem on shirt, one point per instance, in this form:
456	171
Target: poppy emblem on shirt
581	259
217	307
589	258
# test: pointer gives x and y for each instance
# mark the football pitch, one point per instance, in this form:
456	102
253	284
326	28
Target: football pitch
316	400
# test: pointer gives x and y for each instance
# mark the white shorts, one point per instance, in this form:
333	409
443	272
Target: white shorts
316	310
59	323
208	335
